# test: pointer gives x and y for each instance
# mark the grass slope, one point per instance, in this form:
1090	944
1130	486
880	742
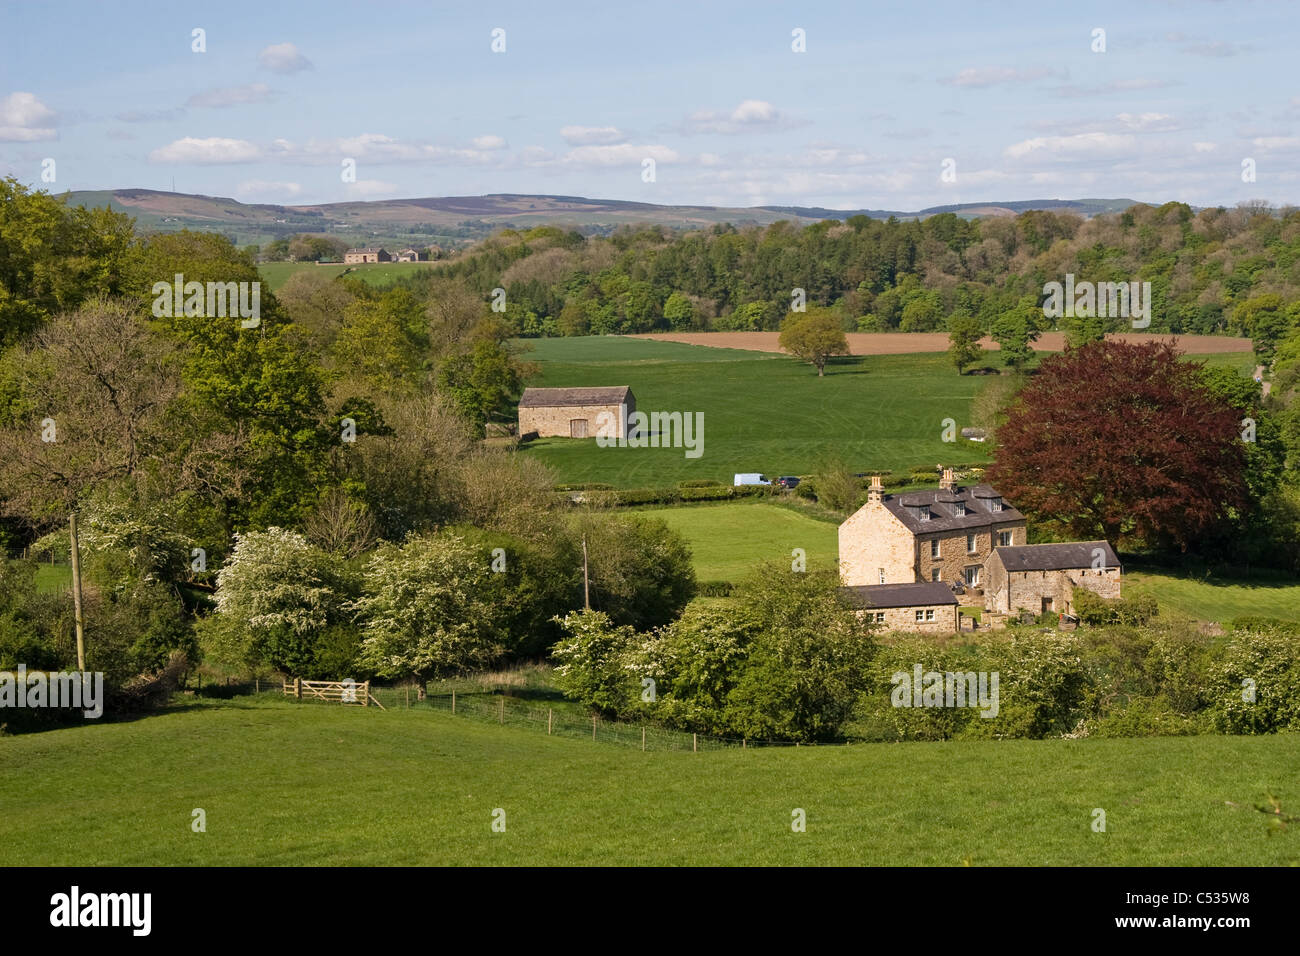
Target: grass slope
728	540
379	274
762	412
286	783
1215	598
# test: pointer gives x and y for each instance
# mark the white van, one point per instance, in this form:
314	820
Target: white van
751	478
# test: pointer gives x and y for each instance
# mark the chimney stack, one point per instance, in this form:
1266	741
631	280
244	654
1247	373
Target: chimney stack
949	481
875	494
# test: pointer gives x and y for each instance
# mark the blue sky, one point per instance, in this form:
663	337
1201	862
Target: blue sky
1012	93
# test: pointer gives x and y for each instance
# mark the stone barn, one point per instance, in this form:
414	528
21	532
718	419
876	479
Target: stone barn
1042	577
576	412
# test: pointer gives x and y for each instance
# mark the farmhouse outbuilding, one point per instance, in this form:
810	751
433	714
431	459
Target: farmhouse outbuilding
924	607
1042	577
576	412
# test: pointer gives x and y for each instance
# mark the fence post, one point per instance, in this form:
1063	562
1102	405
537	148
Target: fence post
297	687
643	736
503	710
257	685
548	721
365	694
453	702
408	696
695	743
593	726
743	742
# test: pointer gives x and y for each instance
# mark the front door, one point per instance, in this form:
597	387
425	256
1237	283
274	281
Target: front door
577	428
1047	605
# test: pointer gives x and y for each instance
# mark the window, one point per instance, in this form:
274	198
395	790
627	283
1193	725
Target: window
934	574
972	575
1004	539
882	575
970	544
920	615
929	615
934	548
880	617
995	504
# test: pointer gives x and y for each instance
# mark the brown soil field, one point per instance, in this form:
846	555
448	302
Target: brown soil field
901	343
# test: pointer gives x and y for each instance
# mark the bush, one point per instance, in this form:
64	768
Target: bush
1095	610
714	588
700	483
1254	687
592	662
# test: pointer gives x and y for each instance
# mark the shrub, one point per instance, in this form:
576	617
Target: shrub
714	588
592	662
700	483
1095	610
1270	702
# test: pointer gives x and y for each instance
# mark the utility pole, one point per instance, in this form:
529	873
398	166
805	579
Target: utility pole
76	592
586	594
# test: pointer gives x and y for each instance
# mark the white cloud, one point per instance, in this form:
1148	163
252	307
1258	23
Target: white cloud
266	189
283	58
1205	147
212	150
231	96
593	135
750	116
1276	142
489	142
1081	144
1147	122
624	154
979	77
25	119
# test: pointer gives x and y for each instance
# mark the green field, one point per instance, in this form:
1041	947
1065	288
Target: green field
292	783
766	412
728	540
379	274
762	412
1215	598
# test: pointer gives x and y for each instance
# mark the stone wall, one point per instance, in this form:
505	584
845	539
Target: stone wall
553	420
904	619
872	539
954	558
1008	592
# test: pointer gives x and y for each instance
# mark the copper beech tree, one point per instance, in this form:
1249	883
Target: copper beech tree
1123	442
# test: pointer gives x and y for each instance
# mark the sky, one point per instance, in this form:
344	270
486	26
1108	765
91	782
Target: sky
886	106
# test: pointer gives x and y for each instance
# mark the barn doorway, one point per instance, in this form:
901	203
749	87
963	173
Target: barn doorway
1047	605
577	428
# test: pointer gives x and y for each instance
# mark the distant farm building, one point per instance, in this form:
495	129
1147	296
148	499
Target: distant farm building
576	412
356	256
410	255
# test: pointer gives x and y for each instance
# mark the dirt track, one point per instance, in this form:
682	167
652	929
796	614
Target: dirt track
900	343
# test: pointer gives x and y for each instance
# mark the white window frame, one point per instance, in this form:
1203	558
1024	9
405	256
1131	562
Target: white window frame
972	544
1010	538
882	575
929	614
934	548
920	616
936	574
966	575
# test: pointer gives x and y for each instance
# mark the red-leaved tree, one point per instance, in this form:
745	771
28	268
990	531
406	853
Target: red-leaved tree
1122	442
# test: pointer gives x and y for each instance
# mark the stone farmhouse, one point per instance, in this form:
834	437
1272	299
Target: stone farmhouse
356	256
925	607
573	412
410	255
969	542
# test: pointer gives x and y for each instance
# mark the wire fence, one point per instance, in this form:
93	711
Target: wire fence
489	706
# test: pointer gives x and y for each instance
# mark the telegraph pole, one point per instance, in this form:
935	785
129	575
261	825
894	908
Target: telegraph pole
76	592
586	594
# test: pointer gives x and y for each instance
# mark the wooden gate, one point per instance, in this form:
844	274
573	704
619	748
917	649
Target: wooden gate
340	691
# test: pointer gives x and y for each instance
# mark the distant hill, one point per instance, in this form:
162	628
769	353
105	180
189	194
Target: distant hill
455	220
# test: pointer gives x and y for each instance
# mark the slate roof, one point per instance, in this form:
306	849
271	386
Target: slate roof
942	512
553	397
368	249
920	594
1055	557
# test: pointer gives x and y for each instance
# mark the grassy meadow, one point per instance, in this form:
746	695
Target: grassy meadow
762	412
287	783
276	274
